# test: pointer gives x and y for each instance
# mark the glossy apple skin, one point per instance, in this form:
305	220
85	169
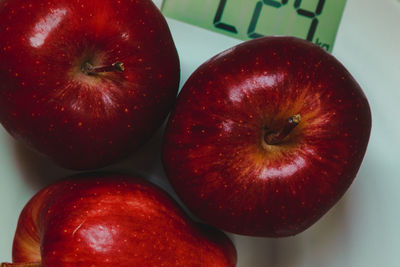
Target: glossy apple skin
114	220
85	121
215	155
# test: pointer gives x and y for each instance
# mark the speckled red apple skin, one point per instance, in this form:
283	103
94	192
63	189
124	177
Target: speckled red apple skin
114	220
85	121
214	151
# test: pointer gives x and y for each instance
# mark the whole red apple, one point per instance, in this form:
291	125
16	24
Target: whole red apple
113	220
85	82
266	137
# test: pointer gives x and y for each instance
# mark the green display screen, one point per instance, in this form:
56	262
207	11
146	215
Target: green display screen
314	20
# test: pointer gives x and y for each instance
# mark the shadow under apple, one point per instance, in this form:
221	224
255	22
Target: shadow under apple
315	245
38	170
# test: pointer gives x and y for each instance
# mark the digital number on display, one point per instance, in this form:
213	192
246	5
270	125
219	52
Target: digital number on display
314	20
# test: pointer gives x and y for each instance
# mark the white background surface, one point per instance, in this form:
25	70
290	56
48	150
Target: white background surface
362	230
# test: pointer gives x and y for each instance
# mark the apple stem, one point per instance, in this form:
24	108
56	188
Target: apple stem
273	138
90	69
21	264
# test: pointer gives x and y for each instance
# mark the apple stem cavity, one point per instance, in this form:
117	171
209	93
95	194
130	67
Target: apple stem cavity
21	264
274	138
89	69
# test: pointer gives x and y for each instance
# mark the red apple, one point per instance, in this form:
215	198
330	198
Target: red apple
85	82
113	220
266	137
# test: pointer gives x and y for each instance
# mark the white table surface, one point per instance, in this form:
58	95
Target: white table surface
362	230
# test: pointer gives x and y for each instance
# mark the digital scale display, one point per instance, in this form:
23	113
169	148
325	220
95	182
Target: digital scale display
314	20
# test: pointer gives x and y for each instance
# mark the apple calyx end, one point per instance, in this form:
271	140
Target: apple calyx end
276	137
89	69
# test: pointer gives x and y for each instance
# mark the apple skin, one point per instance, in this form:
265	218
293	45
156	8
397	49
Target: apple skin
84	121
215	153
114	220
